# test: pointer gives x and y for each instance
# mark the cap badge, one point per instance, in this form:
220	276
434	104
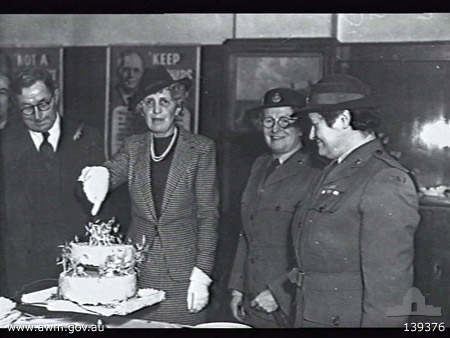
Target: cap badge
276	98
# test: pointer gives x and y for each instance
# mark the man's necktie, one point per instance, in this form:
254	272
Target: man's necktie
270	169
46	148
128	102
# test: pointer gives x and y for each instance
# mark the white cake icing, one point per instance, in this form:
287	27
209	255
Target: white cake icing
102	270
93	289
96	255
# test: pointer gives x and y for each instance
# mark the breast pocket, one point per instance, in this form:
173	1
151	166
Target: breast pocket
329	200
333	225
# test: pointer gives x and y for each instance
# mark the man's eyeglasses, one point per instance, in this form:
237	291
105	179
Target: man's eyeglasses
283	122
44	105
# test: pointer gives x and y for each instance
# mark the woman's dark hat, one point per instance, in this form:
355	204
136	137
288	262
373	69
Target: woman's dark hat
279	97
339	92
155	79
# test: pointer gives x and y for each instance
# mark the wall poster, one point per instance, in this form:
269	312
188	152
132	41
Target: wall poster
127	69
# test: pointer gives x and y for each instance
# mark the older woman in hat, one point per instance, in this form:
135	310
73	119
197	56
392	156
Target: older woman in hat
277	184
354	239
171	177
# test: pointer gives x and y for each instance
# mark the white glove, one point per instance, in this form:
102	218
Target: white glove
95	185
198	294
265	301
236	305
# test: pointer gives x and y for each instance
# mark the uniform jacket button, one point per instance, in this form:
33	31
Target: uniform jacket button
336	321
322	208
278	208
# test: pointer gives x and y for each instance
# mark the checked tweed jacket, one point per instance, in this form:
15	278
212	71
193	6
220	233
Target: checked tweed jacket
189	216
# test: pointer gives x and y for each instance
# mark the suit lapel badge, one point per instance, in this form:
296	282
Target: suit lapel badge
78	132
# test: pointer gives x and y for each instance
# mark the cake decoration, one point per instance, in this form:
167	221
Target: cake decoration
102	270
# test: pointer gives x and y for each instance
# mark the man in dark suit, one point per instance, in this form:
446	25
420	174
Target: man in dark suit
5	103
43	154
354	240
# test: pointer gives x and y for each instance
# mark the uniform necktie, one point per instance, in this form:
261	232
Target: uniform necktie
46	148
274	165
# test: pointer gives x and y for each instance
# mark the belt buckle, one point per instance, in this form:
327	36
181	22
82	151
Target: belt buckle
301	276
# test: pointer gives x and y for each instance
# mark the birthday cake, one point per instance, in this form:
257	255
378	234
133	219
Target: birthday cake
101	271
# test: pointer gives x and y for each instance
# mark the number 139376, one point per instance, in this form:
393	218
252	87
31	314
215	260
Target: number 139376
424	327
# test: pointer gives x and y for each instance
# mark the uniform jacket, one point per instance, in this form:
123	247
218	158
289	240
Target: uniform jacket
354	242
189	216
264	250
27	233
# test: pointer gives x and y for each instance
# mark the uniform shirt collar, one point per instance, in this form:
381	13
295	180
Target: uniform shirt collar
284	157
369	138
53	139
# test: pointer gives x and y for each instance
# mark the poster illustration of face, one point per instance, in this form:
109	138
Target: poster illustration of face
129	69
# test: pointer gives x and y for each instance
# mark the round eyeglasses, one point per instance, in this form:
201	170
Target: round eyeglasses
44	105
283	122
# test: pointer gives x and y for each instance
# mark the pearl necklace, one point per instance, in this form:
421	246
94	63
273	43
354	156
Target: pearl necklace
161	157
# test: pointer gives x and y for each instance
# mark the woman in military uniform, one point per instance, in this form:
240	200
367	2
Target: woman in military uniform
276	186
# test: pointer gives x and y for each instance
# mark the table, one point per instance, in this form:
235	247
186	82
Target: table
71	318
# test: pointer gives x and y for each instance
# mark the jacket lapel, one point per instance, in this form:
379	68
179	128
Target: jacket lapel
180	162
64	143
261	171
143	175
20	148
341	170
355	160
21	142
287	169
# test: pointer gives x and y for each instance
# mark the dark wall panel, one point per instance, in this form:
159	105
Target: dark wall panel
85	99
85	84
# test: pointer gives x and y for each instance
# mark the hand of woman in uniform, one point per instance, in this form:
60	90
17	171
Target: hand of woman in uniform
265	301
236	305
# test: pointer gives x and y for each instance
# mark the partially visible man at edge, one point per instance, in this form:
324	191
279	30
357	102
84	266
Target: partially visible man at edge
43	154
5	101
354	240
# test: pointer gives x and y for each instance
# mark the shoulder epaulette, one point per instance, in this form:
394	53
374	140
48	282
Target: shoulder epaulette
388	159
